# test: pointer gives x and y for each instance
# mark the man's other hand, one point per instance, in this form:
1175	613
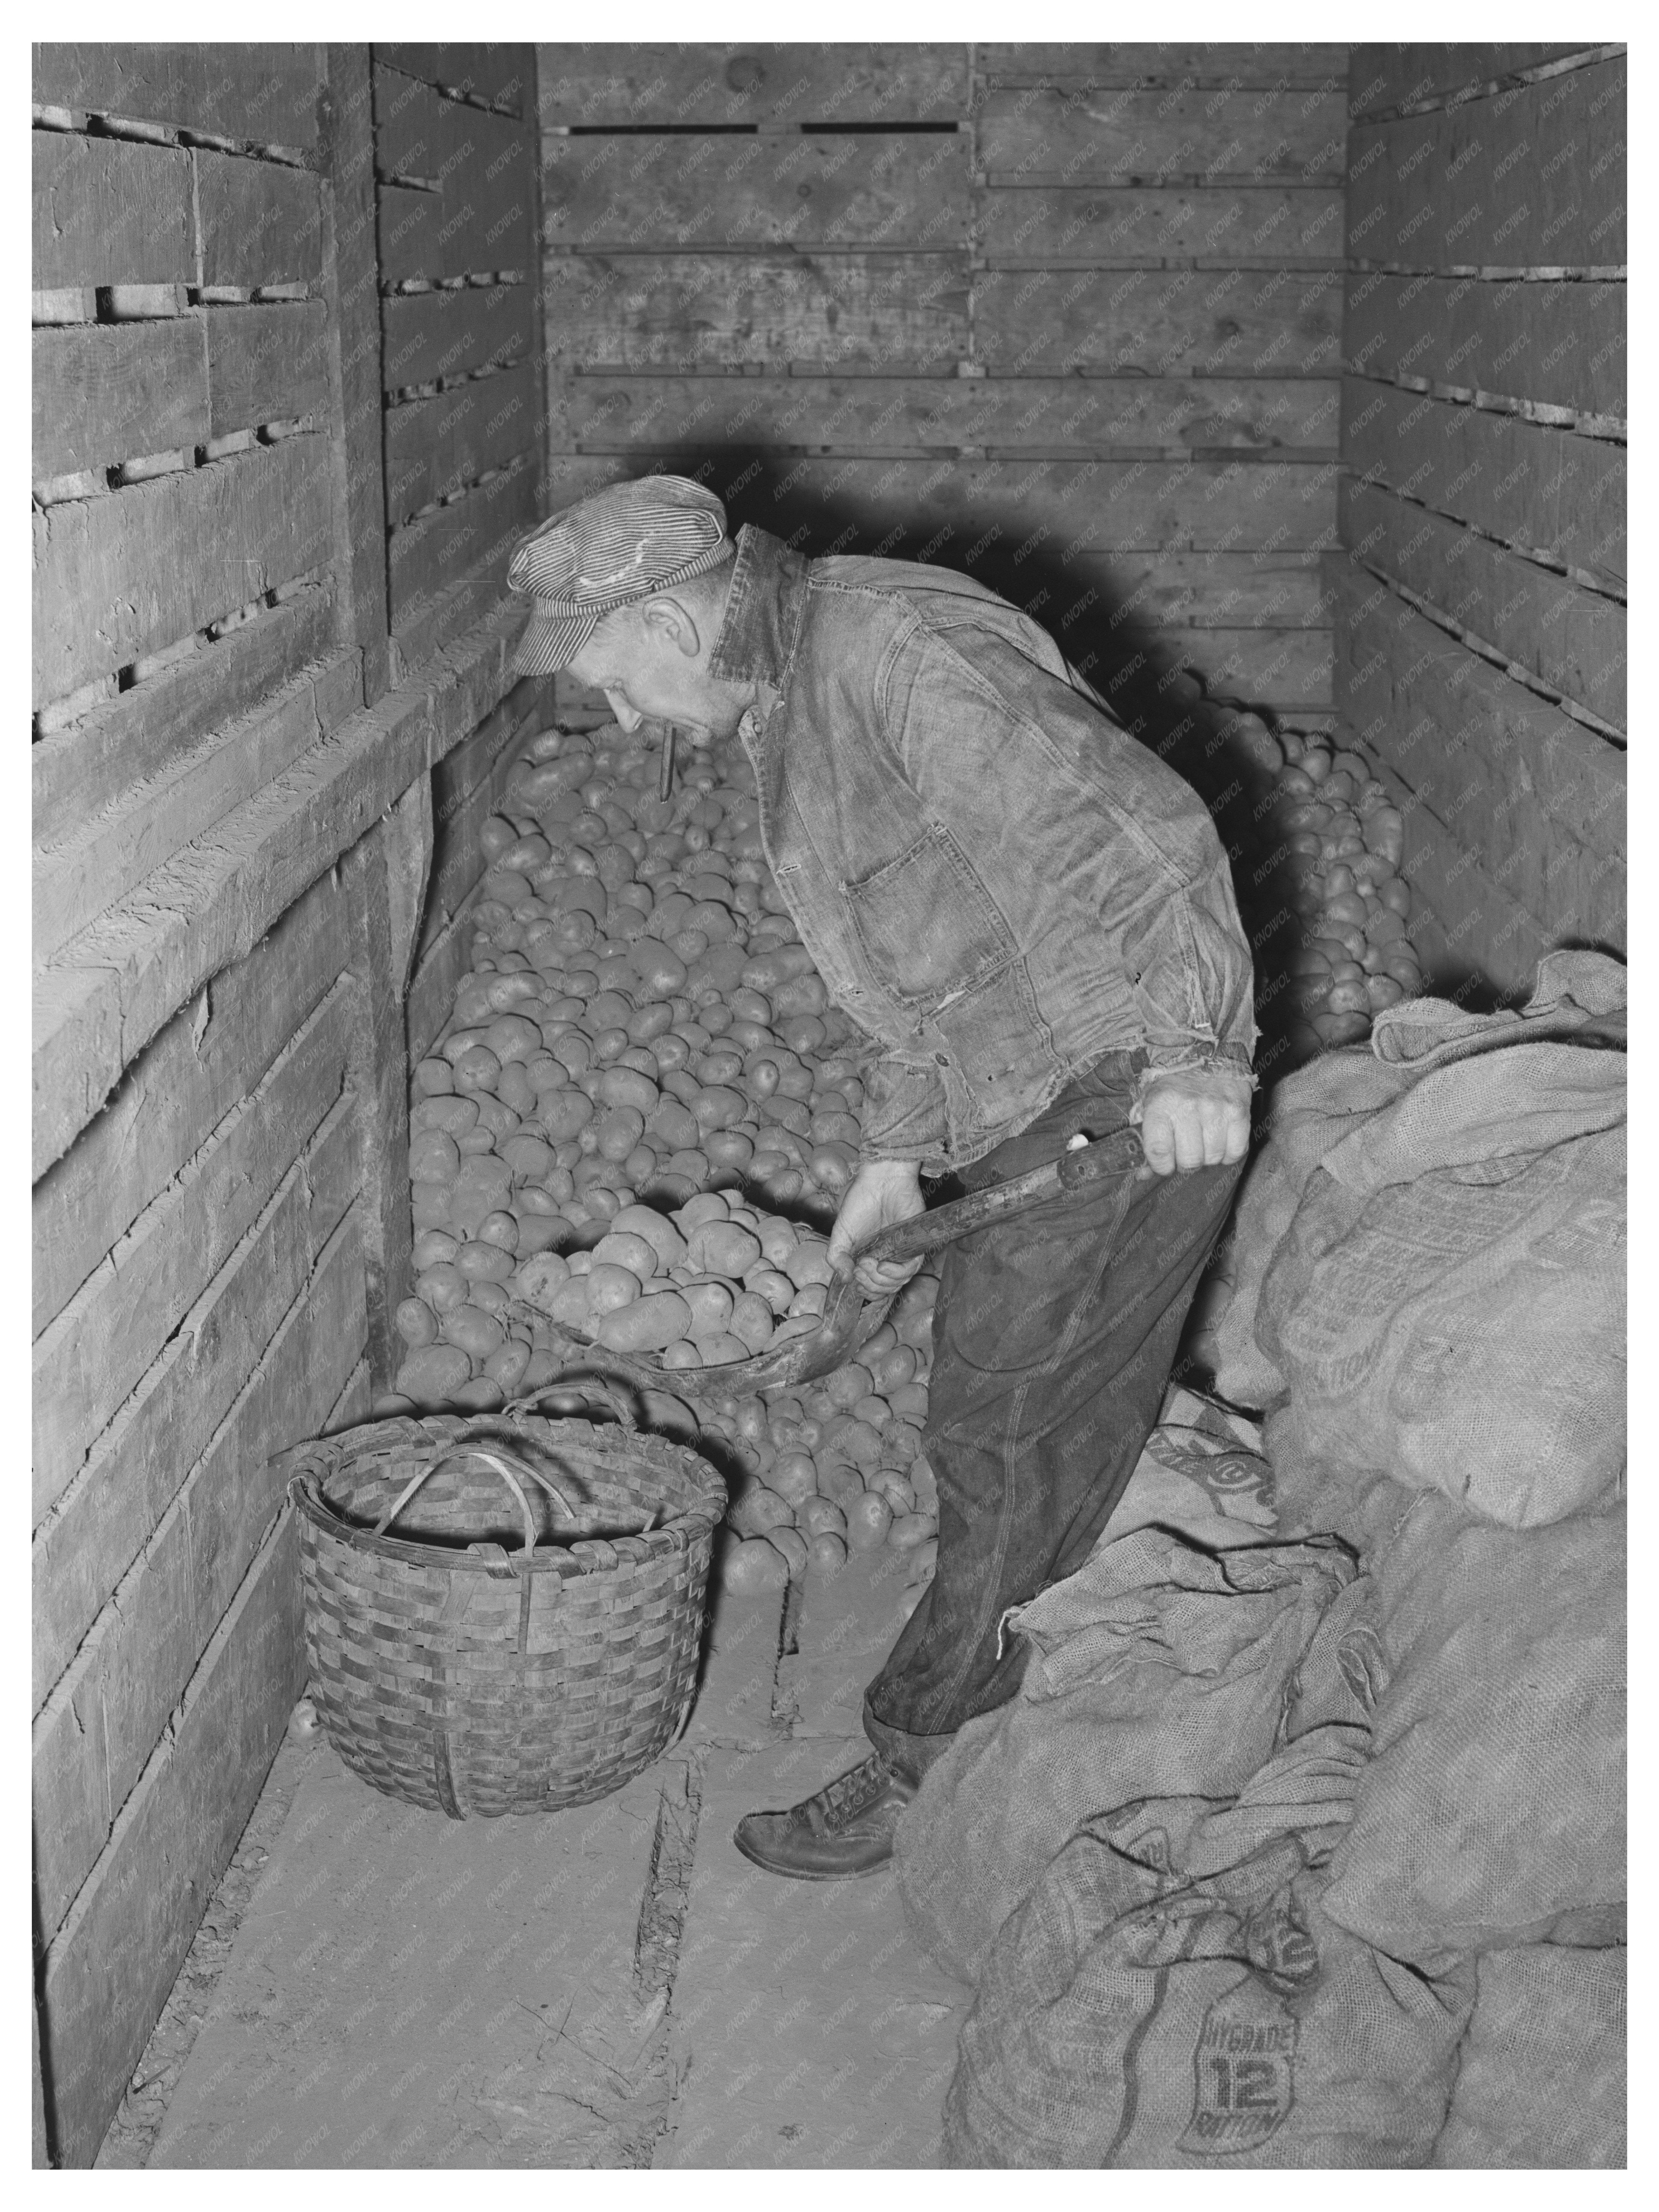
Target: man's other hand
1196	1118
879	1195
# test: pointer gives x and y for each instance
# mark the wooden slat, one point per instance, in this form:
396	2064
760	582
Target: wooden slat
352	288
428	556
1557	345
1209	63
1172	592
1546	490
378	1074
844	189
1534	799
103	1718
1184	322
257	222
105	392
79	772
1081	137
1402	76
482	217
89	1359
121	576
427	335
177	1091
111	853
1468	929
1571	639
873	415
894	311
466	789
502	75
126	976
109	1972
1283	668
433	987
1528	179
110	211
264	94
1162	505
433	447
266	364
1109	226
643	82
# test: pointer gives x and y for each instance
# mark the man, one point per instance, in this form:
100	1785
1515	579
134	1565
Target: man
1030	916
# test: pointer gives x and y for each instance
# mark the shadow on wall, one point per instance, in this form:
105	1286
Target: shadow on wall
1102	635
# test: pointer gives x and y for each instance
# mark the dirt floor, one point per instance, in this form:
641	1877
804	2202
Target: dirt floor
612	1986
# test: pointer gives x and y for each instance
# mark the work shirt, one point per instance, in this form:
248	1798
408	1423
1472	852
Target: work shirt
998	883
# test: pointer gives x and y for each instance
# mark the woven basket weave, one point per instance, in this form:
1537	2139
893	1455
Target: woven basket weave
455	1674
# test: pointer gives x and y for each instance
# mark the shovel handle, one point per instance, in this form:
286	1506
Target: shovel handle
1118	1153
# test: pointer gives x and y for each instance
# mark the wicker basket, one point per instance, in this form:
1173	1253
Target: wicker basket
453	1673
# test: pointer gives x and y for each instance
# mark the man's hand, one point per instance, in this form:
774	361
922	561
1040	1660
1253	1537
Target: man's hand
879	1195
1196	1118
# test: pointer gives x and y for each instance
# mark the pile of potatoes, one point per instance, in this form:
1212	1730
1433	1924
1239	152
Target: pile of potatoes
1344	841
638	1122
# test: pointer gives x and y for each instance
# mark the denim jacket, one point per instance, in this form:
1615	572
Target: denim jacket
997	883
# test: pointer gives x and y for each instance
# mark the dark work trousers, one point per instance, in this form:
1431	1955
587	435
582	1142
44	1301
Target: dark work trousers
1053	1341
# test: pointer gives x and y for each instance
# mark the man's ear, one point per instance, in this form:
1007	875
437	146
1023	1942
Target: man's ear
671	623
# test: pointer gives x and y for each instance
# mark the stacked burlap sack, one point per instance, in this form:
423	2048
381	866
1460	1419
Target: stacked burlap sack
1303	1842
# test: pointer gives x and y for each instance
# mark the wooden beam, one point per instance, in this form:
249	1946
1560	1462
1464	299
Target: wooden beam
79	772
257	222
87	1360
1409	74
1188	322
1125	137
742	418
1549	345
1533	178
265	95
110	1965
114	987
352	284
379	1081
692	192
646	82
499	74
429	335
122	576
95	1732
1572	640
436	446
176	1092
267	364
1124	225
105	392
1544	490
891	311
110	211
1206	64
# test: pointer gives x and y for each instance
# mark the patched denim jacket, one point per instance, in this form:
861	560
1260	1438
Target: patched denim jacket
998	883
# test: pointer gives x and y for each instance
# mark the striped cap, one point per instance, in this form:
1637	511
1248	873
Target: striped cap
624	543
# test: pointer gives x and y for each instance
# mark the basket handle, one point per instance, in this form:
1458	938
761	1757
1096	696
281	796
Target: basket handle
509	1465
578	1381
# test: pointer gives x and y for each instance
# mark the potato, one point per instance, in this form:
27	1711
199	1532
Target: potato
442	1286
649	1323
432	1376
475	1332
627	1086
538	1278
416	1323
794	1476
623	1248
751	1322
512	1037
722	1247
609	1286
806	1263
793	1547
721	1351
433	1157
821	1516
752	1566
714	1106
481	1260
506	1368
868	1520
431	1246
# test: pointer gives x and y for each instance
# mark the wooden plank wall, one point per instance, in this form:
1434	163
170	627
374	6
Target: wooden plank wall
455	143
240	707
1481	595
1066	318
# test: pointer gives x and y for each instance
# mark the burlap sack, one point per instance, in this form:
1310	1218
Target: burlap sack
1491	1811
1131	2017
1541	2078
1403	1320
1159	1669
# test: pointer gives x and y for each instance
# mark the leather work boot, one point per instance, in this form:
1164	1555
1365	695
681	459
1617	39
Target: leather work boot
847	1828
